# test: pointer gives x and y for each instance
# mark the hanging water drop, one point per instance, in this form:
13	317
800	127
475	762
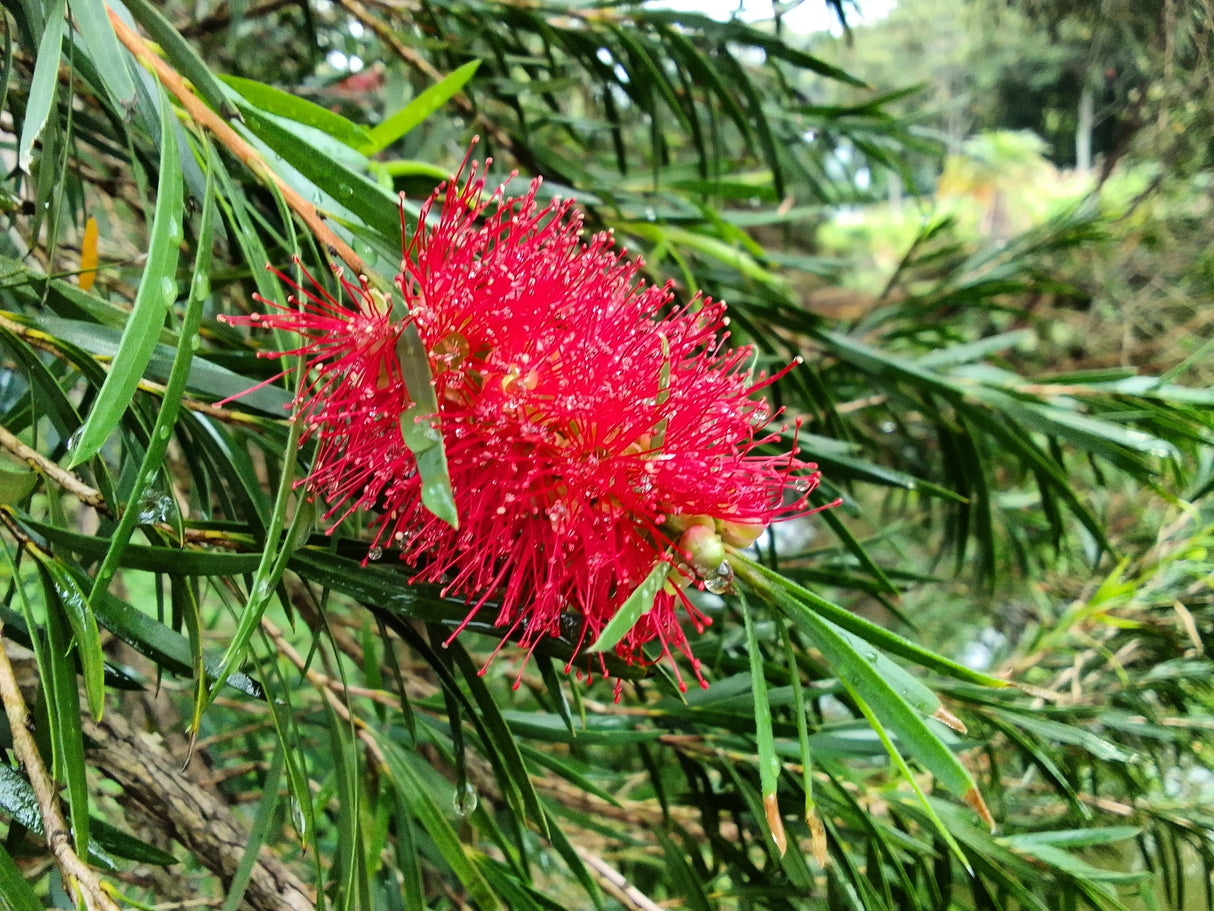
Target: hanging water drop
298	819
375	553
464	800
719	581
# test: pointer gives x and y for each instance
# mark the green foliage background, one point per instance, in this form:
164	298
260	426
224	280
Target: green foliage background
233	708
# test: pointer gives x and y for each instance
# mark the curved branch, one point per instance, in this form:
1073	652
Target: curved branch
218	127
58	839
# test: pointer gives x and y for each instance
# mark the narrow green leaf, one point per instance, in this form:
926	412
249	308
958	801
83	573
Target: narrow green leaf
564	847
183	595
760	576
351	190
169	560
1071	866
349	870
419	795
896	755
638	603
408	861
1050	730
45	389
291	746
556	691
157	293
735	30
1073	838
769	762
7	60
18	801
63	708
15	486
109	59
206	378
153	458
84	631
271	566
114	841
857	672
43	85
727	254
566	770
421	427
417	110
257	833
15	892
154	640
683	880
518	785
292	107
805	750
181	54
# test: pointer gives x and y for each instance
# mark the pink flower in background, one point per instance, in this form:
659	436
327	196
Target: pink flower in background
592	430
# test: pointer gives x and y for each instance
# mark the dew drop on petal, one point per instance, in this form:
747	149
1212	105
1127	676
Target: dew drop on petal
375	553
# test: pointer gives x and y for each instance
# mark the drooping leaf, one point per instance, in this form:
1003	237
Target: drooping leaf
157	293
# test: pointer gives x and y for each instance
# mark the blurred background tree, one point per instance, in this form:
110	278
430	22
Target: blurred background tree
1006	380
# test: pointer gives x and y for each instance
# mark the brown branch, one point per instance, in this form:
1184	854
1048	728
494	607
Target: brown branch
151	780
328	687
614	882
36	338
226	415
228	137
73	870
61	476
90	496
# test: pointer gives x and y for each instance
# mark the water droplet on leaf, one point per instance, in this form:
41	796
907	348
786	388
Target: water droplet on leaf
464	800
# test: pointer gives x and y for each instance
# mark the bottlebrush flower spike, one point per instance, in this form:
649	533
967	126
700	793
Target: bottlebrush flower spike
592	430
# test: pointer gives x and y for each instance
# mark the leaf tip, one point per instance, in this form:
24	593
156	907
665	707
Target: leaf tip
817	837
944	716
775	822
978	805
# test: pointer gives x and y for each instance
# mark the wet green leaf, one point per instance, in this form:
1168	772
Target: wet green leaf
109	58
43	84
157	294
430	100
638	603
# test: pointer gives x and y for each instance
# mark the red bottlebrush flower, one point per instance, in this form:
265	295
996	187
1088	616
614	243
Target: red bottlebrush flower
592	430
